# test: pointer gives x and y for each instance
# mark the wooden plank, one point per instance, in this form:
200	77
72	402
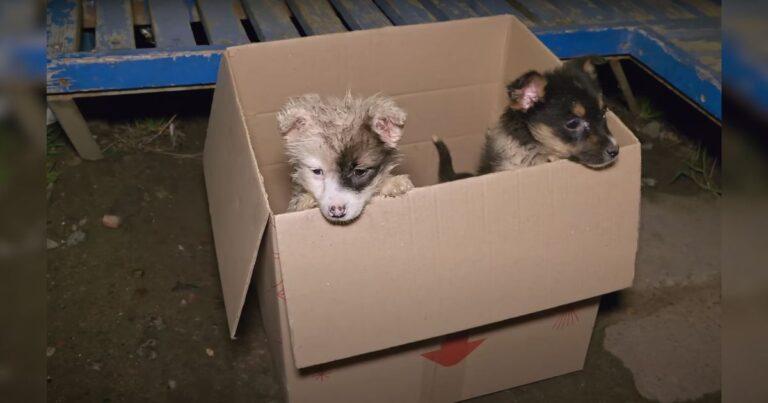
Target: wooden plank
140	12
705	7
194	15
114	25
582	11
316	17
89	13
663	9
63	26
170	24
271	19
220	22
498	7
405	12
621	78
623	10
74	125
545	12
445	10
133	69
361	14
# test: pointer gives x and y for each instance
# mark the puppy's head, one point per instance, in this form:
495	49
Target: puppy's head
565	112
341	149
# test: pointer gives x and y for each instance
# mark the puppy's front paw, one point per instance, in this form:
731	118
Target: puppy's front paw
302	201
396	186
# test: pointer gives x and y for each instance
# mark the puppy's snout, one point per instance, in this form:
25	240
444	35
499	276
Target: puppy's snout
337	211
612	151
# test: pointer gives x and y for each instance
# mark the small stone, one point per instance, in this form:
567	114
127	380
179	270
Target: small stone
82	222
96	366
161	194
649	182
111	221
183	302
50	351
51	244
157	323
181	247
75	238
147	349
138	273
209	352
171	384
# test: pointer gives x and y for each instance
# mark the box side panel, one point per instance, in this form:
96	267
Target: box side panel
236	198
466	253
543	345
475	363
525	52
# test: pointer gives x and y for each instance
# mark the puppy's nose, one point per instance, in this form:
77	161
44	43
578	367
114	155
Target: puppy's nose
337	211
612	151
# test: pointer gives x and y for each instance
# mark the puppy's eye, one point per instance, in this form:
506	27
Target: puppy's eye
573	124
317	171
360	171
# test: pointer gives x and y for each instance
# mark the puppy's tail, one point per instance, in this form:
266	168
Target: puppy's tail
445	170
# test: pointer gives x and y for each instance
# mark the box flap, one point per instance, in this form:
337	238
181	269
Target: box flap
459	255
236	198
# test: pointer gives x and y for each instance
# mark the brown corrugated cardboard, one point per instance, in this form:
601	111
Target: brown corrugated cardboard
455	289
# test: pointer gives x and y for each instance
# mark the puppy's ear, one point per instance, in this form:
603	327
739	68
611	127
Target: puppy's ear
386	119
526	91
586	64
296	114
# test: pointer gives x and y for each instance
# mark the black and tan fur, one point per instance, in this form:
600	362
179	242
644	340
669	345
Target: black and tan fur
559	114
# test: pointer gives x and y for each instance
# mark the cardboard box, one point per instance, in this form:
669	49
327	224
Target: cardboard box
454	290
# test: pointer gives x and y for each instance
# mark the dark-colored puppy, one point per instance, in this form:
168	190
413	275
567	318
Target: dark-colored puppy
559	114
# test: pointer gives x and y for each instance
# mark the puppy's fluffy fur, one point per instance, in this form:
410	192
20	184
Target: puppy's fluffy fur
559	114
342	152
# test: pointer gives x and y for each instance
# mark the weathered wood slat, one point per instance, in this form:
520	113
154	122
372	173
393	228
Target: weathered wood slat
665	9
623	10
361	14
316	17
74	125
271	19
405	12
140	12
114	25
497	7
445	10
705	7
63	26
544	11
582	12
170	24
220	23
89	13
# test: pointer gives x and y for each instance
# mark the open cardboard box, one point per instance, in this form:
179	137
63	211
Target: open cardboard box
452	291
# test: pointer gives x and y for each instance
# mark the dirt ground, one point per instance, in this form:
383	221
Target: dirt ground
136	313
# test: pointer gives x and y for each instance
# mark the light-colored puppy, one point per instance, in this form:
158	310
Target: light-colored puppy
342	152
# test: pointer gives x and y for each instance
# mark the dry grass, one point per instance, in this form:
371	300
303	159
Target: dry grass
700	168
159	135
